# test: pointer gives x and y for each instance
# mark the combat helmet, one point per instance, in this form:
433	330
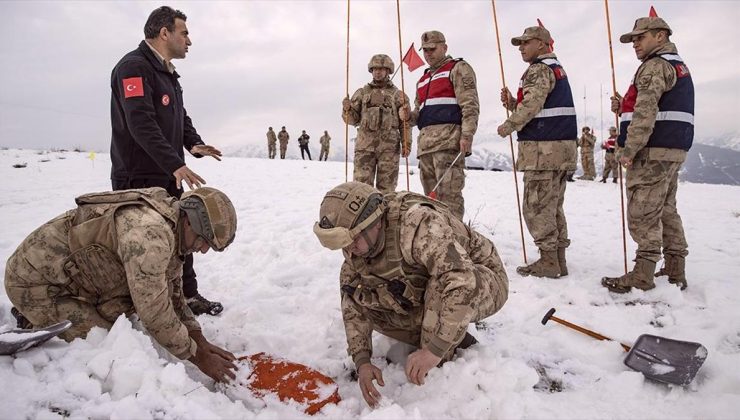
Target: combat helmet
212	216
346	211
382	61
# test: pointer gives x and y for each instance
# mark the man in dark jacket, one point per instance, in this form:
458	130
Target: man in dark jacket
303	144
151	127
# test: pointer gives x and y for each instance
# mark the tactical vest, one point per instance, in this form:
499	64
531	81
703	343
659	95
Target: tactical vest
609	144
95	271
379	111
386	282
557	119
674	123
436	95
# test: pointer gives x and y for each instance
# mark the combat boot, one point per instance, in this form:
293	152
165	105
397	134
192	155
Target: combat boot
603	180
200	305
674	266
615	180
641	277
546	266
20	320
562	263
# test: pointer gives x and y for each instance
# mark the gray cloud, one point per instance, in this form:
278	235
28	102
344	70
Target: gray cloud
258	64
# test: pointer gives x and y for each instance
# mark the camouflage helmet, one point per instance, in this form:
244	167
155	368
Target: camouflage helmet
346	211
212	216
382	61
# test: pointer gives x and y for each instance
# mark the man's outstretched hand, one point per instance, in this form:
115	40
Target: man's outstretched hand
212	360
206	150
366	374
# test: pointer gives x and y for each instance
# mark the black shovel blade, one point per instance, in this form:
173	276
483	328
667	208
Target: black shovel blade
18	339
666	360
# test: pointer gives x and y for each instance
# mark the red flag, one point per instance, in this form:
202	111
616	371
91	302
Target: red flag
412	59
552	41
652	13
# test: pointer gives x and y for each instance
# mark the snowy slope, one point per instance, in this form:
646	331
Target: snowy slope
279	288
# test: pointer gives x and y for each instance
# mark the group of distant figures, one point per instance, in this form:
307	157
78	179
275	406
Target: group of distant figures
283	136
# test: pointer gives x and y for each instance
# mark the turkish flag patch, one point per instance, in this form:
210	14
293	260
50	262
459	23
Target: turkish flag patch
133	87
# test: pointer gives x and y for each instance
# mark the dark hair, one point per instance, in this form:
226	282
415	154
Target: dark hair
162	17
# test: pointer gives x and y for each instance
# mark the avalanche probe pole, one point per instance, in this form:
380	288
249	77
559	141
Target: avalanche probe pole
511	141
616	119
346	92
403	97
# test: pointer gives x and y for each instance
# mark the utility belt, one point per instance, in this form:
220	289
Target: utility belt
386	295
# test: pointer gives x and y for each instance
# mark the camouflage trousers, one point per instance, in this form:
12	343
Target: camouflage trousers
44	304
422	323
587	163
432	167
610	165
283	149
271	150
652	217
377	169
542	207
324	155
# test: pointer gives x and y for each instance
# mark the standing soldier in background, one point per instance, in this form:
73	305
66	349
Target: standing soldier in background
373	109
324	140
303	144
412	271
446	112
151	127
655	134
283	137
271	143
610	162
545	120
587	143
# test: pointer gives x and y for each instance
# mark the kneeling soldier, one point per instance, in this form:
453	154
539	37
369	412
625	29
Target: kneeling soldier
412	271
118	253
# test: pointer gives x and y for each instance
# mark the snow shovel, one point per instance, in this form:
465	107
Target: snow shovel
658	358
18	339
433	193
290	382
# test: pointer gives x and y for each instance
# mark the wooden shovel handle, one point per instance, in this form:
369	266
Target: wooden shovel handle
580	329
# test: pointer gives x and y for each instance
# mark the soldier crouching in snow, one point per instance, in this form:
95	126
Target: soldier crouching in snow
412	271
118	253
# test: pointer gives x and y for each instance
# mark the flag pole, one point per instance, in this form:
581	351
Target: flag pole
346	92
405	134
616	124
511	141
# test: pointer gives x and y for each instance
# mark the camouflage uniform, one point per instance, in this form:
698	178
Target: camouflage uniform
103	259
610	161
439	144
271	142
324	141
283	137
587	143
545	163
374	111
652	181
431	277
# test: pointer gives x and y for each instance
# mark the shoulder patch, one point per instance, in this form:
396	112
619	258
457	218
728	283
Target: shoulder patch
133	87
644	81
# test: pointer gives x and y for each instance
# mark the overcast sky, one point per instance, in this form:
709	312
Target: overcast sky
256	64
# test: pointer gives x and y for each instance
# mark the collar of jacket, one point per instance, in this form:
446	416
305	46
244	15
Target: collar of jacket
667	48
160	66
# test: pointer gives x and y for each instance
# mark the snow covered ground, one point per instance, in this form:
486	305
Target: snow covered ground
280	291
